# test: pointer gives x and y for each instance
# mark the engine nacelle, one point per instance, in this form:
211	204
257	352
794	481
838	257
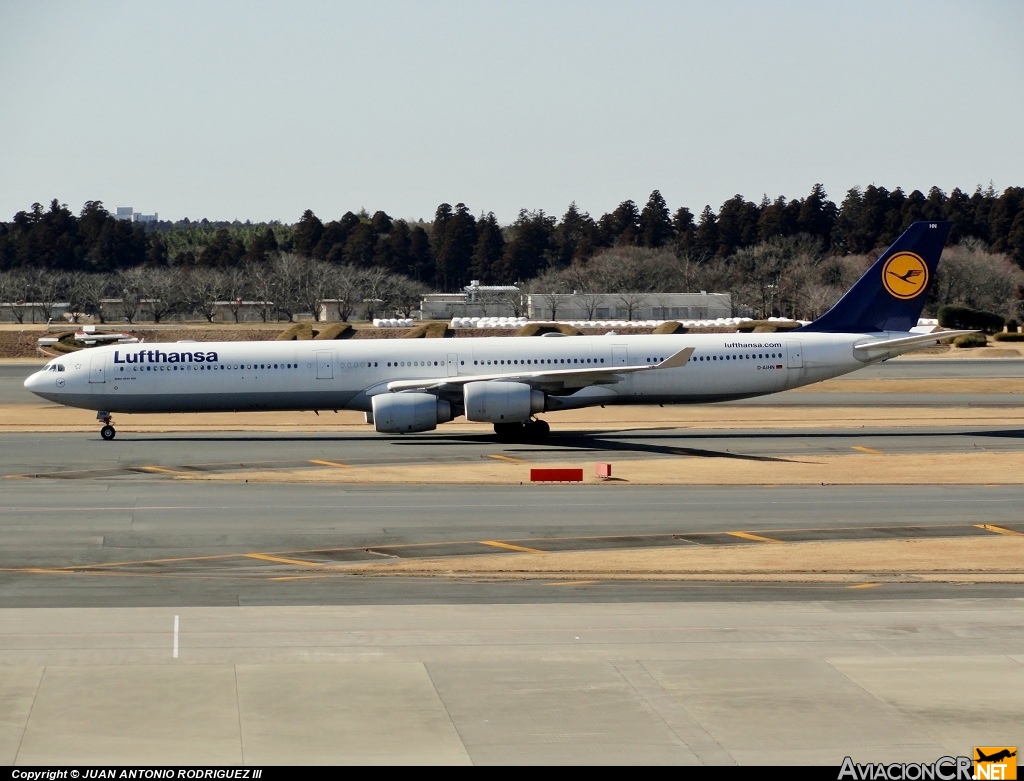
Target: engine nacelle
405	413
494	401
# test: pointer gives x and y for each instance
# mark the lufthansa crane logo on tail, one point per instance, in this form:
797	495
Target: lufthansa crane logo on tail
905	275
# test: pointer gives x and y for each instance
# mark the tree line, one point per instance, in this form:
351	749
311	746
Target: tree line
282	288
759	251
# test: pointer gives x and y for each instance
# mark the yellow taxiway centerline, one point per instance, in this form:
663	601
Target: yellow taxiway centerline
279	560
162	470
507	546
754	537
998	529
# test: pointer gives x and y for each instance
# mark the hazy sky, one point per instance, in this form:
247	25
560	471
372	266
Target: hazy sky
260	110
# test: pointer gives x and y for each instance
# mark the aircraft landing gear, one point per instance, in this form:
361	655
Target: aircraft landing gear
525	431
107	432
537	428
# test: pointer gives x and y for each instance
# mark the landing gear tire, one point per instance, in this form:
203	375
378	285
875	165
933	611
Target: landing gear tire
526	431
508	430
107	432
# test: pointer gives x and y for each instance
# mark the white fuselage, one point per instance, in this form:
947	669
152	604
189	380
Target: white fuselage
320	375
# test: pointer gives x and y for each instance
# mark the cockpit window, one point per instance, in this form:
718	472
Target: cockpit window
55	367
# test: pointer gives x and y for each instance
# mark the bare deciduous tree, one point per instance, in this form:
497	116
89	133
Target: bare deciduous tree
378	292
129	284
344	286
971	276
12	288
408	294
49	288
86	293
161	292
237	287
201	289
265	287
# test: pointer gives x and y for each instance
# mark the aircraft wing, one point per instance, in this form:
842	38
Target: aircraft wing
544	379
885	345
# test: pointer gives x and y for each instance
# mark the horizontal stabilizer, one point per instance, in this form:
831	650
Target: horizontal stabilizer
884	345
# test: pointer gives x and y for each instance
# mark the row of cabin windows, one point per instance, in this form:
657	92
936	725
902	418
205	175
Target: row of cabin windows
537	361
196	367
750	356
367	364
509	362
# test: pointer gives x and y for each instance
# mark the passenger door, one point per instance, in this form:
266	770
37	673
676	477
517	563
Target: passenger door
324	365
97	368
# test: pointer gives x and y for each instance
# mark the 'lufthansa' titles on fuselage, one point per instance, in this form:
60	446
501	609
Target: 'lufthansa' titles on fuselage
159	356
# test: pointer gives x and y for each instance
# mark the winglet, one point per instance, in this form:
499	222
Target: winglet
681	358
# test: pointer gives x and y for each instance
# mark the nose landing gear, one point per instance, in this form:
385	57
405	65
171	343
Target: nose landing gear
107	432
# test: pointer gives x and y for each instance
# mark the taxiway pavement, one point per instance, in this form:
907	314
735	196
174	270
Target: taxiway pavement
149	620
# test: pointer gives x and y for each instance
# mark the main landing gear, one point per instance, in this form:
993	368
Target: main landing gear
523	431
107	432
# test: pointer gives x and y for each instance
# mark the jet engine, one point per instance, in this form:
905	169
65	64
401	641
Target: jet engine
404	413
495	401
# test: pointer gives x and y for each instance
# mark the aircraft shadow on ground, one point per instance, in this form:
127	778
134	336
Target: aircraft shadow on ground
658	442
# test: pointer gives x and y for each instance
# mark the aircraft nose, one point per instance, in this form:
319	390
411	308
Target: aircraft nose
36	382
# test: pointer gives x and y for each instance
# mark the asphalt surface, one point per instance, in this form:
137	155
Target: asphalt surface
83	457
73	503
201	544
205	641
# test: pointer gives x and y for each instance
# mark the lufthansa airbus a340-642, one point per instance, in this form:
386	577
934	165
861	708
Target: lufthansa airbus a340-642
410	385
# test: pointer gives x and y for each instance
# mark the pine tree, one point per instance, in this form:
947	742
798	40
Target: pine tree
913	208
737	225
490	244
531	247
683	227
655	222
705	238
626	224
960	213
1002	215
455	238
817	215
308	232
575	236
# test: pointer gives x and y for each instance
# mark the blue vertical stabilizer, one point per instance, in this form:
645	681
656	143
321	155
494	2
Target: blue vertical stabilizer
892	293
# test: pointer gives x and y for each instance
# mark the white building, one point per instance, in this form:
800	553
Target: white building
507	301
476	301
129	213
629	306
